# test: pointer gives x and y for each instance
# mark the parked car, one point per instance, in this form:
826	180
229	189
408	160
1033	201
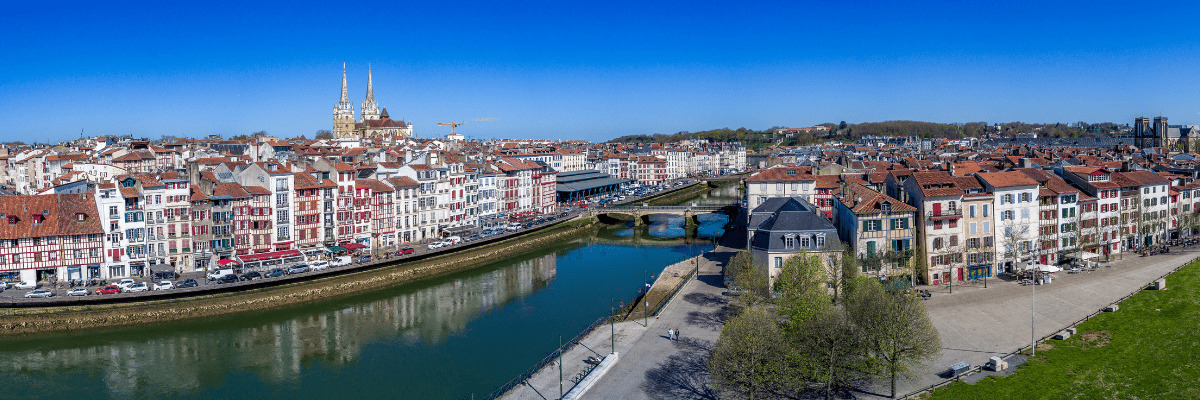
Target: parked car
275	273
25	285
407	250
124	284
137	287
436	245
298	268
39	293
212	276
363	259
319	265
249	276
340	261
163	285
453	240
231	278
78	292
110	289
187	284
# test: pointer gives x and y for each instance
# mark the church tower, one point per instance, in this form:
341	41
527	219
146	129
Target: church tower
343	112
370	111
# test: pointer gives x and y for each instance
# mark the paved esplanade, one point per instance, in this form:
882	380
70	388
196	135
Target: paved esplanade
650	366
976	323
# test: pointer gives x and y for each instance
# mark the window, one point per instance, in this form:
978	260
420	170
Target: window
985	210
972	211
987	227
870	247
804	242
789	242
820	241
972	228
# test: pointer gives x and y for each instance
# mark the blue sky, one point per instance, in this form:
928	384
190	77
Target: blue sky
587	70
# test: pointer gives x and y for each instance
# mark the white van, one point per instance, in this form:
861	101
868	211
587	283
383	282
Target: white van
453	240
219	273
340	261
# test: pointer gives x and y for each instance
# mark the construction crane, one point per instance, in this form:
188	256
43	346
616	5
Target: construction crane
456	124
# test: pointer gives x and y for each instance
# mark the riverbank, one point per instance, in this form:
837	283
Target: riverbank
23	321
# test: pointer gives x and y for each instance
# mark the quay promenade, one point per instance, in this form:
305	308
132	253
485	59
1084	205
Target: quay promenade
974	323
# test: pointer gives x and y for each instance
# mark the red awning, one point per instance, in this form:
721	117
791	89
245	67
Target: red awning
271	255
352	246
226	262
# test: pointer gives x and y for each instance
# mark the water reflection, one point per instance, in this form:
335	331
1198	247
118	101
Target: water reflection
277	350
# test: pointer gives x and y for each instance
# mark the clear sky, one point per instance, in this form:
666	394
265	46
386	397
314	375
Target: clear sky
587	70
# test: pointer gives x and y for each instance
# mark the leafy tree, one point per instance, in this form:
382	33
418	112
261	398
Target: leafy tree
323	134
747	359
895	329
802	286
742	274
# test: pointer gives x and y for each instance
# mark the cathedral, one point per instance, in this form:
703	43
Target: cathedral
1184	138
374	121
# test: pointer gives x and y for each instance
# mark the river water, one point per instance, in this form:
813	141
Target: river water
446	338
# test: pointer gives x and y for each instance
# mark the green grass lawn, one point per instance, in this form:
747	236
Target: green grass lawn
1149	349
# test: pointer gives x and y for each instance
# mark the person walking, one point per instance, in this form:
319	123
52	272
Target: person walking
670	334
677	335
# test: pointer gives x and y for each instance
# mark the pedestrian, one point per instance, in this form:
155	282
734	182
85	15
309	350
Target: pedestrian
676	335
670	334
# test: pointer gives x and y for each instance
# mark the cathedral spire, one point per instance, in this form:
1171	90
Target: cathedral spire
345	96
370	110
370	86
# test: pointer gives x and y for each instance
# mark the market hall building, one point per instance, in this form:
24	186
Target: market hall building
581	185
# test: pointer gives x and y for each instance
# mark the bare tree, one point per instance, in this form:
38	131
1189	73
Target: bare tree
895	330
1017	242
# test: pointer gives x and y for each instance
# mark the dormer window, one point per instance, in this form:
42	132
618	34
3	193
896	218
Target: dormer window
12	219
38	218
80	216
885	207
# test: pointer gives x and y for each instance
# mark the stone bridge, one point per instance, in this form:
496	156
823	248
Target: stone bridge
639	212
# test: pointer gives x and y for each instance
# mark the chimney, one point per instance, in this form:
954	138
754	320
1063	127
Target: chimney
1026	162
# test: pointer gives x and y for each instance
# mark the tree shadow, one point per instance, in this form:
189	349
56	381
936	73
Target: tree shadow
683	375
705	299
711	319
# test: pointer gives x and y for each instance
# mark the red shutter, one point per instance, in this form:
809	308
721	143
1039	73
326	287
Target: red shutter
937	209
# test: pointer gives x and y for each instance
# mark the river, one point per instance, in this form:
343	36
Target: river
445	338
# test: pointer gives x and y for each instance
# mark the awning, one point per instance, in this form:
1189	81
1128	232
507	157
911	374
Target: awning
353	246
226	262
1048	268
271	255
336	249
1087	255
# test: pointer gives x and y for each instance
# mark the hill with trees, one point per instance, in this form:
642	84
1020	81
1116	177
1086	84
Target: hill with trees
758	139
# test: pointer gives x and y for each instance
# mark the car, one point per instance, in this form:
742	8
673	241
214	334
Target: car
231	278
476	236
275	273
137	287
25	285
407	250
39	293
436	245
298	268
78	292
249	276
453	240
319	265
163	285
110	289
212	276
187	284
124	284
364	259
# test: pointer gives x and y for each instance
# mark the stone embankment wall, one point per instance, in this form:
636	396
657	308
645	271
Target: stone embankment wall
21	321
